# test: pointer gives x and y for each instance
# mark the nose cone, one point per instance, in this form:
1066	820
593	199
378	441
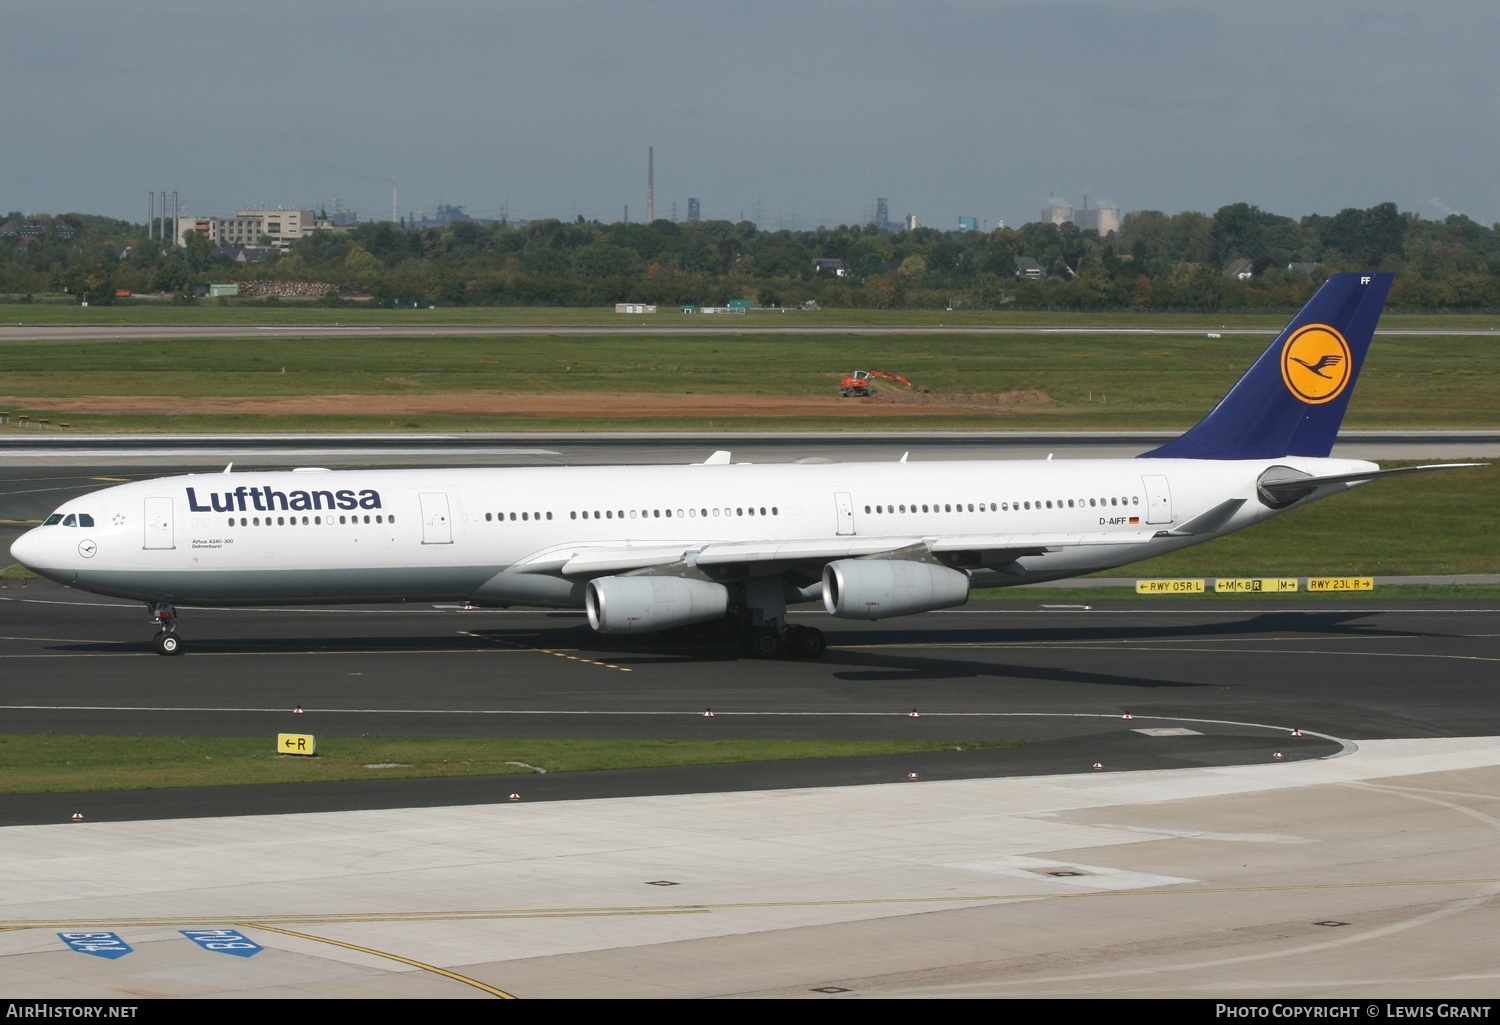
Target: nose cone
27	549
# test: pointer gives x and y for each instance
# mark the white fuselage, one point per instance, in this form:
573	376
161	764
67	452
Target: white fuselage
474	534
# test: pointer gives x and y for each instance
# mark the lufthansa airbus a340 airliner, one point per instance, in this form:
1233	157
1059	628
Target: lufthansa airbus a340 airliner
646	548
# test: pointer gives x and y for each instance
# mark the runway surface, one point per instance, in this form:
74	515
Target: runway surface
1193	861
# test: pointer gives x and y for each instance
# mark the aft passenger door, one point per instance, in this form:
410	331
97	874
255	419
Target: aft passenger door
1158	499
437	522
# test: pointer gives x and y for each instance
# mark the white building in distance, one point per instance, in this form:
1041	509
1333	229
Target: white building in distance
248	227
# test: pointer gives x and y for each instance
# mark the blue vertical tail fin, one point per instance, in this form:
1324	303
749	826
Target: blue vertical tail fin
1291	402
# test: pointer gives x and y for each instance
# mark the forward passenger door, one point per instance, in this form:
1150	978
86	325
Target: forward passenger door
158	521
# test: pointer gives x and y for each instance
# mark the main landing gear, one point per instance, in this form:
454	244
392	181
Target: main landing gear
166	641
774	639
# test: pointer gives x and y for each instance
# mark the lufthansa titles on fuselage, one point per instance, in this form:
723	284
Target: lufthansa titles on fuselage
268	499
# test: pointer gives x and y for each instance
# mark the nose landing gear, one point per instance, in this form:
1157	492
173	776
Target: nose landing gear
166	641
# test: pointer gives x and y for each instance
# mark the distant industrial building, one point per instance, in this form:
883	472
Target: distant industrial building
968	224
446	216
1103	219
693	216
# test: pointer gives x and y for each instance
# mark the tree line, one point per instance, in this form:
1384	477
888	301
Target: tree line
1156	261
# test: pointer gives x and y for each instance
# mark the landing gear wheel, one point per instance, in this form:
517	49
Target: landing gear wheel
764	642
167	643
806	641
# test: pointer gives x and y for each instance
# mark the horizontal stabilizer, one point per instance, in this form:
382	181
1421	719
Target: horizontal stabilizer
1281	485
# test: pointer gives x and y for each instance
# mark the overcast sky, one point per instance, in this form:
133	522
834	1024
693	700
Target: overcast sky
803	110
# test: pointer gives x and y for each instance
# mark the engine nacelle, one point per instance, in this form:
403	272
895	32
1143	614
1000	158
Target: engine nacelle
880	588
627	605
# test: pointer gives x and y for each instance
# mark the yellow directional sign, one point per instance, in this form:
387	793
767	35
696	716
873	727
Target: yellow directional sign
1341	583
1169	587
296	744
1254	585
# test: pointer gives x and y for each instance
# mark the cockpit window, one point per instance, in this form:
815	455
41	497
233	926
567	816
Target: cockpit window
53	520
85	520
70	521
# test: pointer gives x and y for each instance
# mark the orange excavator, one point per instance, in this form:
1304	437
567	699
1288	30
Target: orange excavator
857	384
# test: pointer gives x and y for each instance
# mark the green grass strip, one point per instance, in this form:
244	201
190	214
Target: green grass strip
48	763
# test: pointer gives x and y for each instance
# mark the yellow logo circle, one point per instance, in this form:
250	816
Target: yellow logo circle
1316	364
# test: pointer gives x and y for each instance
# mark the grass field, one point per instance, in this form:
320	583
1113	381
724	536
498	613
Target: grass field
1093	382
51	763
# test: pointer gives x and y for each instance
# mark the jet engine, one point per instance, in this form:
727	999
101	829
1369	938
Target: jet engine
881	588
626	605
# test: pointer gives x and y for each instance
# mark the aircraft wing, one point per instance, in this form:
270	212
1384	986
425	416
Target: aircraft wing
593	561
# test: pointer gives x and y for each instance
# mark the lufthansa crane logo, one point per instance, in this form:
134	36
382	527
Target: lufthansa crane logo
1316	364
